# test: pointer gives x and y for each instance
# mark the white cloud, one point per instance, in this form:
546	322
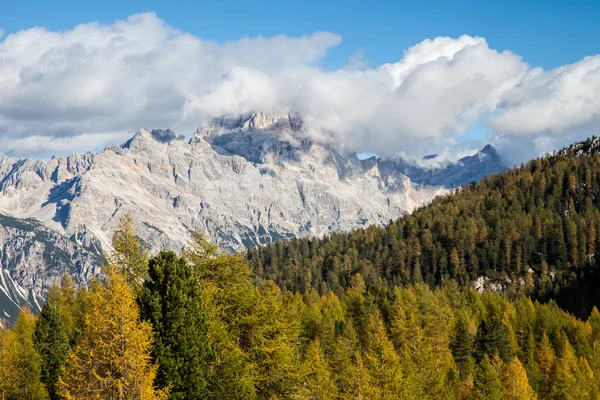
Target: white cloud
141	72
552	102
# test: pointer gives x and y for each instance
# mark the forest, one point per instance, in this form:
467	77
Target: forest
531	229
379	313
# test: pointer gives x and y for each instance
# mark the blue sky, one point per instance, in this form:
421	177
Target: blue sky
545	33
513	103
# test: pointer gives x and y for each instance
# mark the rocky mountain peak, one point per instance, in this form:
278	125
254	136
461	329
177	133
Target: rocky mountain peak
145	138
260	121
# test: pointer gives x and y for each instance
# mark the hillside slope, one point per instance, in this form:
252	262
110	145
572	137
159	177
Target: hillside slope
532	228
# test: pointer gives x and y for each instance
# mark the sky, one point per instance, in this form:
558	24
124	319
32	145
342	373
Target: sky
388	77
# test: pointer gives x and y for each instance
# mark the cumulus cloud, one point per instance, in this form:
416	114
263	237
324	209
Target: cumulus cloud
67	91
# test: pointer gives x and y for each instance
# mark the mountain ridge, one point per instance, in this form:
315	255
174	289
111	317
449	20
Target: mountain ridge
246	181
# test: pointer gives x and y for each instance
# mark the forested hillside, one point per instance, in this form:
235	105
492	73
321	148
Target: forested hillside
200	327
532	229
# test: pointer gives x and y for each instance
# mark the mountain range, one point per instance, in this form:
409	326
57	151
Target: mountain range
246	181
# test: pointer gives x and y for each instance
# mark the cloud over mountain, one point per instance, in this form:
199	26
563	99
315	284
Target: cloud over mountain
94	84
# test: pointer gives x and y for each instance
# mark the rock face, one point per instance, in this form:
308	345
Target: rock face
246	181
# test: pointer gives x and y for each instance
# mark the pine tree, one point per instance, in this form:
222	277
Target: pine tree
52	343
515	385
171	300
487	385
129	255
317	382
112	359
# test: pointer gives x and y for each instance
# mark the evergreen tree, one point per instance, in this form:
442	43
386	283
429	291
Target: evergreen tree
52	343
493	337
487	384
112	359
462	347
171	301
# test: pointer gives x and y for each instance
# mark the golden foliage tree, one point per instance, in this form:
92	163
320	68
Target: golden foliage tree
515	385
129	255
383	362
317	382
8	372
112	360
26	362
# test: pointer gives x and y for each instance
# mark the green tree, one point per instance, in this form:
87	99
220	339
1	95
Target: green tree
52	343
171	300
493	337
487	384
462	347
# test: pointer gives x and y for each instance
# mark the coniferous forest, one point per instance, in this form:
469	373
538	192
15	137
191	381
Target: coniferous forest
379	313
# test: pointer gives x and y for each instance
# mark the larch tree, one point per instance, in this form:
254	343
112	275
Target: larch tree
515	384
129	255
112	361
545	359
250	330
8	356
316	380
28	362
383	363
566	378
71	304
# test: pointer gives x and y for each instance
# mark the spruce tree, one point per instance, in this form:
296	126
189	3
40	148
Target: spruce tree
52	343
462	346
492	337
171	301
486	385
